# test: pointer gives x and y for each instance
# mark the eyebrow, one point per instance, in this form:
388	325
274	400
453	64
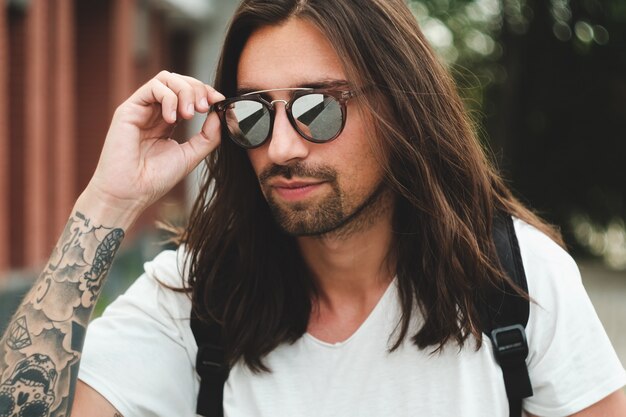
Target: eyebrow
321	84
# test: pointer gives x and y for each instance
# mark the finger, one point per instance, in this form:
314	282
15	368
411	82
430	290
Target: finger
203	143
184	91
205	93
157	92
201	94
169	102
214	95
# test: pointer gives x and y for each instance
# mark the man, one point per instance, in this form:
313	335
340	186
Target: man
341	239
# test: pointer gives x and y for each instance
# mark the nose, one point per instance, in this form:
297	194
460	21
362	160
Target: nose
286	144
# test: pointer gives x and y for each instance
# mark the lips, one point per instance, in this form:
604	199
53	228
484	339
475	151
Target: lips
295	189
293	184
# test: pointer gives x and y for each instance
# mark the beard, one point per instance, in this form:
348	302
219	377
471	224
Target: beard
328	216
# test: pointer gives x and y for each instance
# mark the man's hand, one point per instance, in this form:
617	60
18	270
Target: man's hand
139	161
40	352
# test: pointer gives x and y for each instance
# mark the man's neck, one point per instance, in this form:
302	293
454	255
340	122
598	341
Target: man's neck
352	267
351	271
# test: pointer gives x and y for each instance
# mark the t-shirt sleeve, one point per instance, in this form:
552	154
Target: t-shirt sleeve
571	361
139	355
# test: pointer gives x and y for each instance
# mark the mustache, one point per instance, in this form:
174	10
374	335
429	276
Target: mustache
298	169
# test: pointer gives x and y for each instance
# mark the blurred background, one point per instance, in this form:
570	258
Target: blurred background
545	82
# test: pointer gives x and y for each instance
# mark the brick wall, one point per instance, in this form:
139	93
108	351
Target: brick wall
64	67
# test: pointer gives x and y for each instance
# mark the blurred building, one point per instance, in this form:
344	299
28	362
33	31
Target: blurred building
65	65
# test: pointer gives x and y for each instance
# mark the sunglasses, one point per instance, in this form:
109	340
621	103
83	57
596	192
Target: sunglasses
318	115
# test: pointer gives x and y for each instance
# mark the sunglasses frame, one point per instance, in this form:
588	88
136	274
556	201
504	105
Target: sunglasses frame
340	94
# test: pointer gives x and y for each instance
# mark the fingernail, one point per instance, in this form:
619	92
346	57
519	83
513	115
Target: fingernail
204	102
190	108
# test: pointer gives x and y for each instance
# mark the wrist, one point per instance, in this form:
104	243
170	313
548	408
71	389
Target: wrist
105	211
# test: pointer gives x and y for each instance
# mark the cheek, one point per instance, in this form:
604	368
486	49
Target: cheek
371	145
360	153
364	176
257	159
358	168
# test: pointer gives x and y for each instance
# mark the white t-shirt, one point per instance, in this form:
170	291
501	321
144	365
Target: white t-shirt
140	355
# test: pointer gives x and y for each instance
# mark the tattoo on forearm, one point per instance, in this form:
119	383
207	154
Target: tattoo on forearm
91	281
17	336
41	349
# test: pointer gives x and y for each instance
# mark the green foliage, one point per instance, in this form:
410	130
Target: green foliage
547	79
464	33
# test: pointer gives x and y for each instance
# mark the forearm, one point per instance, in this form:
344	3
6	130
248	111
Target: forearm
41	349
139	163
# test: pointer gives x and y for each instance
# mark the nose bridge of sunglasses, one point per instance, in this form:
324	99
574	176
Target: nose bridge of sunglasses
285	102
274	108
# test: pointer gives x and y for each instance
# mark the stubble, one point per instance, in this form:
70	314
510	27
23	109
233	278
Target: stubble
332	216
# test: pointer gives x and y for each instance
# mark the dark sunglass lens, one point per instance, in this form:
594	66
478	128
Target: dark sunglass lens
318	116
248	122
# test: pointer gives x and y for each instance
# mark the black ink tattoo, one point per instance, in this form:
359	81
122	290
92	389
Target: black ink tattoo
29	391
47	283
73	379
42	384
92	280
78	336
18	337
70	233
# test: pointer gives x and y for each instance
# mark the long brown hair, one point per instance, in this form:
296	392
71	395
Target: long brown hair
247	275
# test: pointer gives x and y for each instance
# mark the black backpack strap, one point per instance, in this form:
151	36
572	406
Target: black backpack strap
210	366
505	315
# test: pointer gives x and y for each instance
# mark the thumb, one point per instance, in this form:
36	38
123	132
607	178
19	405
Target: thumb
203	143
